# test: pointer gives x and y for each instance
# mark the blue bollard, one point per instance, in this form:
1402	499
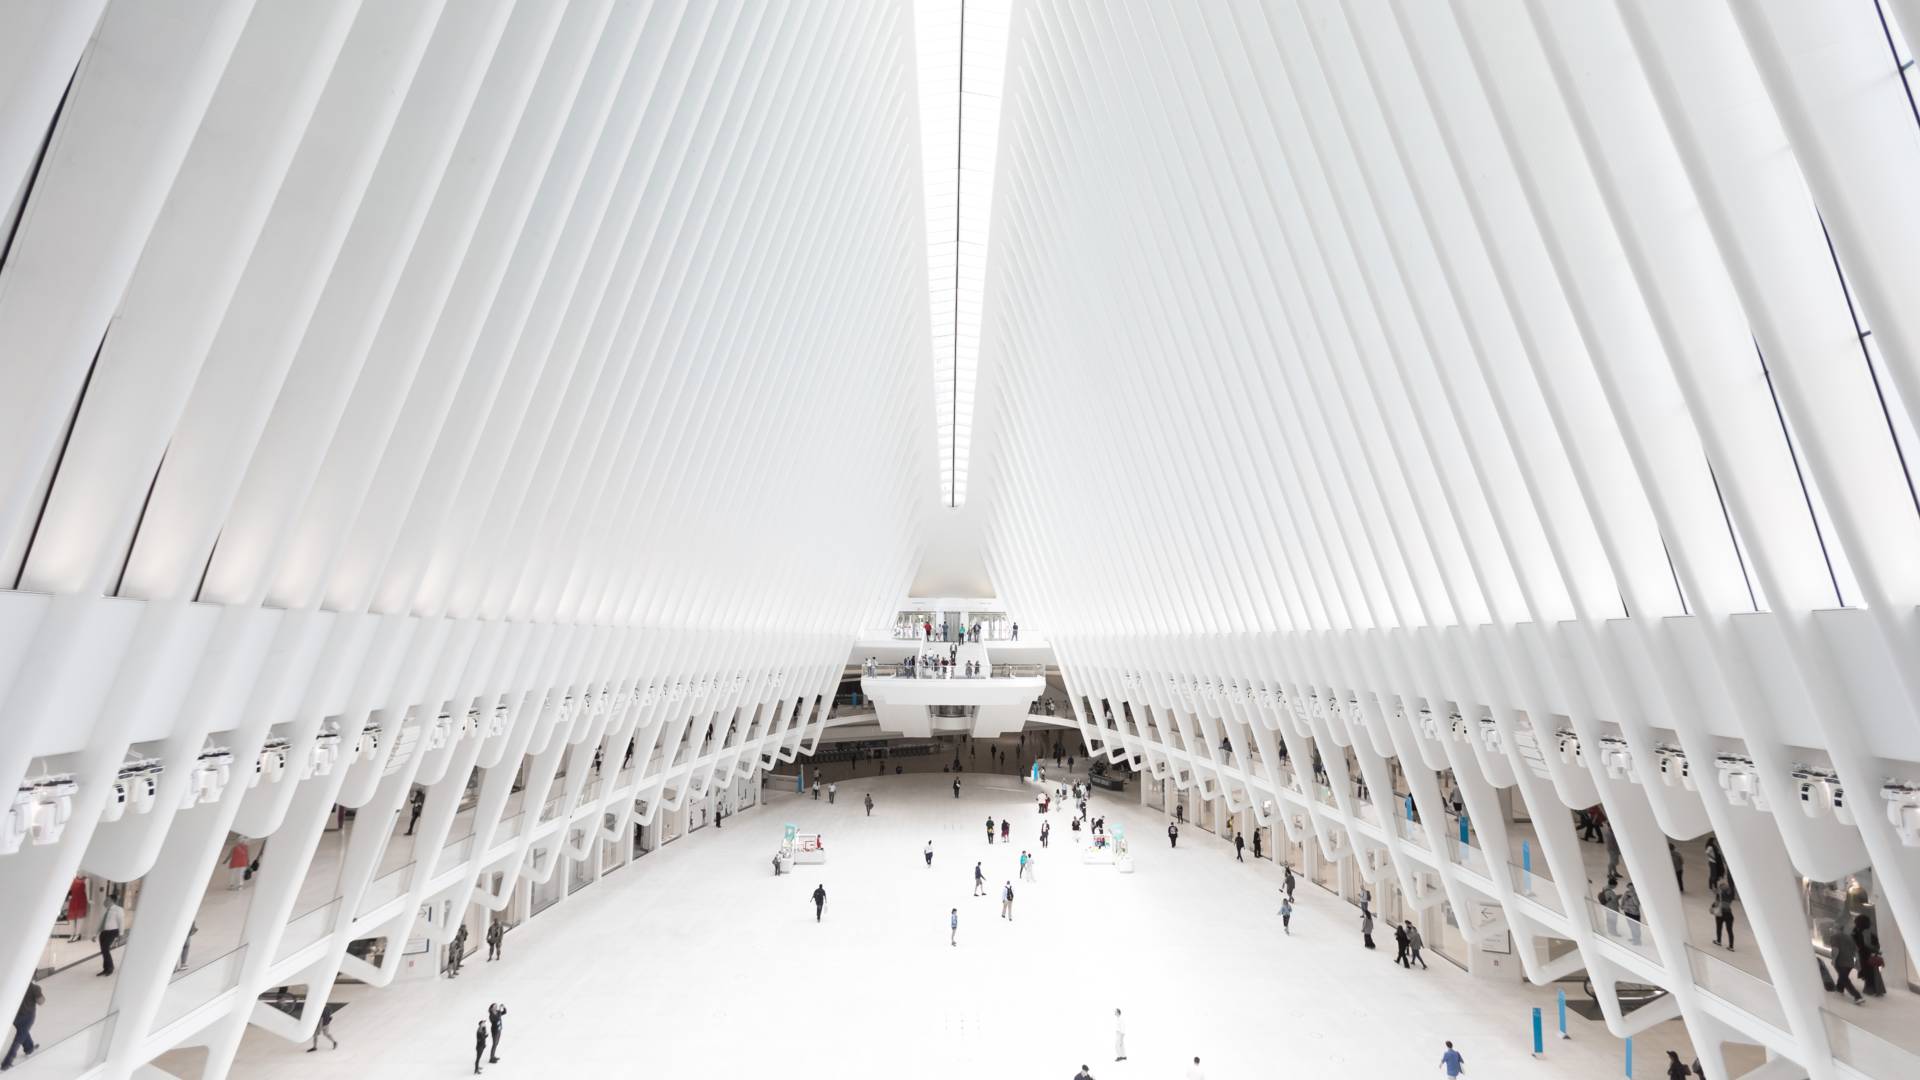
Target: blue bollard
1539	1046
1526	868
1563	1015
1629	1055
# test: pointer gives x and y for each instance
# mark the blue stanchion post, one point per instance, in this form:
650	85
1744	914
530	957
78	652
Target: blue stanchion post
1539	1044
1526	867
1409	808
1463	828
1563	1015
1629	1055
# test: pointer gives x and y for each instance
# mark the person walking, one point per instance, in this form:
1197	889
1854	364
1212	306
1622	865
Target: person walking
979	881
1286	882
928	852
479	1044
1716	863
238	859
416	803
1193	1071
1867	943
496	1018
956	788
1006	901
1677	1069
1026	866
1844	956
1119	1037
1006	827
819	901
112	920
833	792
495	934
1239	847
869	801
1173	835
1414	945
1046	830
1452	1062
1366	928
1286	915
324	1030
1076	830
953	926
186	944
1723	913
1400	947
1613	849
23	1019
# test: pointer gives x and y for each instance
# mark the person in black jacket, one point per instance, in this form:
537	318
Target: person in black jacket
496	1018
1400	946
479	1044
819	901
1239	847
23	1020
1173	835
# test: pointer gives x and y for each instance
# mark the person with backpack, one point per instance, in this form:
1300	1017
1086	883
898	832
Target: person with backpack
1006	901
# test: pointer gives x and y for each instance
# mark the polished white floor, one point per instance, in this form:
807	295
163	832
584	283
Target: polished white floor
697	962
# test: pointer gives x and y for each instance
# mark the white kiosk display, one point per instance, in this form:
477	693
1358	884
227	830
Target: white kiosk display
1110	847
799	847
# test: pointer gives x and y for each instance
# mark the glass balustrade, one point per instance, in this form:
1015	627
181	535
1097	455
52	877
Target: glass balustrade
308	928
1535	886
1736	987
1865	1051
1620	929
386	888
193	989
71	1055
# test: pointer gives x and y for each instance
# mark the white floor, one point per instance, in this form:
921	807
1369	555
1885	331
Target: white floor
697	962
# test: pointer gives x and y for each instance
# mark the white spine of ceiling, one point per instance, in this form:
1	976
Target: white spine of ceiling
1347	361
962	54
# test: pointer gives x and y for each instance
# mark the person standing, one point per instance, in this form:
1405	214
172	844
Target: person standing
1022	875
1400	947
416	803
1414	945
1613	849
1006	827
1452	1062
1723	913
1630	907
956	788
238	859
1286	882
1006	901
479	1044
928	852
819	901
1677	1069
457	952
1173	835
953	926
1844	956
989	828
1119	1037
833	792
23	1019
1286	915
1239	847
1610	899
1193	1071
496	1019
1256	843
186	944
1679	867
1867	943
495	934
1366	928
1716	863
112	919
869	802
1046	830
76	907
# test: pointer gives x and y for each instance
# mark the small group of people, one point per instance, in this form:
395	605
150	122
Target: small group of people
489	1028
1854	951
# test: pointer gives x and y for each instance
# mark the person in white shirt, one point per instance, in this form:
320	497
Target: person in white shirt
1119	1037
111	922
1194	1073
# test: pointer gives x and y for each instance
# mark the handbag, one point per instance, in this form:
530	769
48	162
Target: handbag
1875	961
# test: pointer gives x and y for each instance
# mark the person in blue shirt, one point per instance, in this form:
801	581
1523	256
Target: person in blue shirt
1452	1061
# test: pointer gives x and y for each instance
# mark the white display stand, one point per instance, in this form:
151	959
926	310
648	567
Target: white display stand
1099	849
809	848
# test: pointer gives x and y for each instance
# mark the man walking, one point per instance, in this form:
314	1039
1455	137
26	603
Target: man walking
953	927
816	789
1286	882
869	802
833	791
1239	847
23	1019
956	789
1256	843
1046	830
1400	947
111	921
1173	835
1723	912
1452	1061
1193	1071
819	901
419	802
496	1018
1286	916
989	828
1414	945
458	952
979	881
928	852
1006	901
1119	1037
